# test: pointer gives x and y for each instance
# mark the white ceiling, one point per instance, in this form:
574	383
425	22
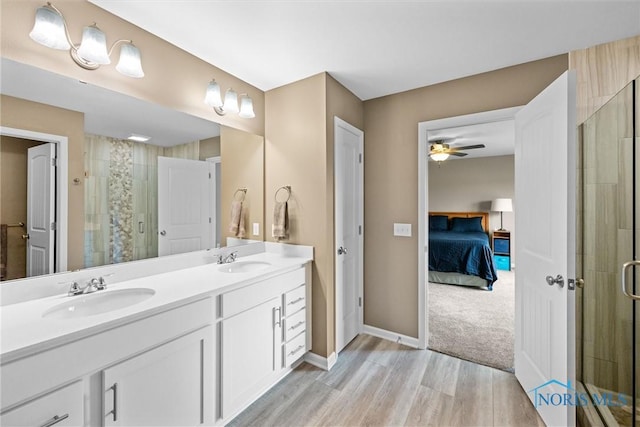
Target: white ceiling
377	47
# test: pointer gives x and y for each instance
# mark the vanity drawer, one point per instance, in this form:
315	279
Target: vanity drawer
295	324
295	349
63	407
294	300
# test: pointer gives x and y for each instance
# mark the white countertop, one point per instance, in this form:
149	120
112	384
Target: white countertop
23	330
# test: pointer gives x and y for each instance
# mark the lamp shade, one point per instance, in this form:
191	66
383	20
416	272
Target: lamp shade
94	46
129	63
231	102
213	97
439	157
501	205
246	108
49	29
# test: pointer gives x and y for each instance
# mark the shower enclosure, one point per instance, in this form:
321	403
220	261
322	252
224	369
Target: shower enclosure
608	326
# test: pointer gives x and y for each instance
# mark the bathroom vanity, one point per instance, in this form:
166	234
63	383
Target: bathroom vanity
191	346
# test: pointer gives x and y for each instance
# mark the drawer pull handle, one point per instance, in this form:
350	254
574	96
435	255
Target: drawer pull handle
295	301
55	420
297	325
114	411
300	347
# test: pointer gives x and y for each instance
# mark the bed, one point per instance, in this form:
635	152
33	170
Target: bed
459	249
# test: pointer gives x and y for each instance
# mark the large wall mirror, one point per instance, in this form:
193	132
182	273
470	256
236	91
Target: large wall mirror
140	199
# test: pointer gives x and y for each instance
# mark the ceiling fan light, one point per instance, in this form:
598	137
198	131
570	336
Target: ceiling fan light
439	157
129	63
94	46
49	29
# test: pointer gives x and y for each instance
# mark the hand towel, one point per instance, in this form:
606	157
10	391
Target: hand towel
3	251
236	225
280	227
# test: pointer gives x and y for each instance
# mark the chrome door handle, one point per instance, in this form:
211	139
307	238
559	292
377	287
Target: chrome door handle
25	237
55	420
163	233
342	251
558	279
625	269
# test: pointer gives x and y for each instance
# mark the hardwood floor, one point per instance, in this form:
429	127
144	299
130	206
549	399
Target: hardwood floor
380	383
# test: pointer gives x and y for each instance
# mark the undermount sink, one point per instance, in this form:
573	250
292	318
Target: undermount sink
97	303
244	266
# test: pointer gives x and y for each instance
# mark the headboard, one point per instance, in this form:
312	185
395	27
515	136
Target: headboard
484	215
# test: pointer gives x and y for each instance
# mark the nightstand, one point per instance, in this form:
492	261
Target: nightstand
501	243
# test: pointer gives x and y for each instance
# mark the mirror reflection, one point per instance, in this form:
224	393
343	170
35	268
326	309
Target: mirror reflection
170	193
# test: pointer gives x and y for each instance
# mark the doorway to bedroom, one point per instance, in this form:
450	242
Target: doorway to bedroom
469	263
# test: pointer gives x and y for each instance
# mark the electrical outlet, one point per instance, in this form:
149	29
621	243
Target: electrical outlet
403	230
256	228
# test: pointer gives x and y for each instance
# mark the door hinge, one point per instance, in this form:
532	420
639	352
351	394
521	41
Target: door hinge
359	157
209	175
209	220
359	301
360	230
53	226
53	162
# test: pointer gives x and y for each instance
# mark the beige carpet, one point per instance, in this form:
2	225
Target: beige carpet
472	323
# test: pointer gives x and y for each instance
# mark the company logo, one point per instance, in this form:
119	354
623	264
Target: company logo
556	393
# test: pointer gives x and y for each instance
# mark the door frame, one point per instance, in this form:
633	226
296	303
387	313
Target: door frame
216	163
360	262
62	188
423	200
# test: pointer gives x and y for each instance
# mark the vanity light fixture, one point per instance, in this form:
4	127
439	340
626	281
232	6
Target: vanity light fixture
50	30
213	99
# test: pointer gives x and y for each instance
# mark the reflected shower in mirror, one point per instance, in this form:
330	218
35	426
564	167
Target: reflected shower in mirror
120	166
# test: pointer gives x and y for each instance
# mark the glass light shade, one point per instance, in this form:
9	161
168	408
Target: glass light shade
49	30
501	205
129	63
94	46
213	97
231	102
439	157
246	108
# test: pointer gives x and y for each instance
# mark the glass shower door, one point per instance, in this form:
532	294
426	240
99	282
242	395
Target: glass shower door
610	222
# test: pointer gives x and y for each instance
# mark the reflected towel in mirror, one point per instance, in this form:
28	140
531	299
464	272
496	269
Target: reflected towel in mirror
236	225
280	227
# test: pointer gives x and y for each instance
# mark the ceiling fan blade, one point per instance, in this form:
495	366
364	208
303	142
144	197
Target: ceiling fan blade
469	147
455	153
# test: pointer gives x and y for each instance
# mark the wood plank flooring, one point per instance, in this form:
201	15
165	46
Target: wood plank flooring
380	383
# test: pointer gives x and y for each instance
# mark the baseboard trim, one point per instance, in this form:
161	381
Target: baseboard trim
325	363
391	336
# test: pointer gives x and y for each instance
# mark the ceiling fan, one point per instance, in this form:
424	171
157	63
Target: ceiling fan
439	150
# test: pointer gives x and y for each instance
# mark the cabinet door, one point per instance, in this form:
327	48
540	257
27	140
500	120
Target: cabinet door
251	353
63	407
167	386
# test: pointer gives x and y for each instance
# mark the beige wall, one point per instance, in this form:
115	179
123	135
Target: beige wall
602	71
13	200
299	153
21	114
242	157
209	147
470	185
391	176
173	77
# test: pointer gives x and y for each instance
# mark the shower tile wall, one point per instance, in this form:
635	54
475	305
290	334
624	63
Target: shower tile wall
121	198
607	244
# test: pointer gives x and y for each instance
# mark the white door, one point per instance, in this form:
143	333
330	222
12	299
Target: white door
348	231
545	249
41	207
184	203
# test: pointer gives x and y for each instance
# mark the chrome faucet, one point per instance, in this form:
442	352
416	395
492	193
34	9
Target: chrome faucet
95	284
226	259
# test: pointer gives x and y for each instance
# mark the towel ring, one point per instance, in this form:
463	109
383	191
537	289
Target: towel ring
286	188
243	192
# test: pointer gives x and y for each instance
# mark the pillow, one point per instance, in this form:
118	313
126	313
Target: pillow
438	222
467	224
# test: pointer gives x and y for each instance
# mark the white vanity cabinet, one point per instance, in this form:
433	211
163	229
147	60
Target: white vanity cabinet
256	350
59	408
163	386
